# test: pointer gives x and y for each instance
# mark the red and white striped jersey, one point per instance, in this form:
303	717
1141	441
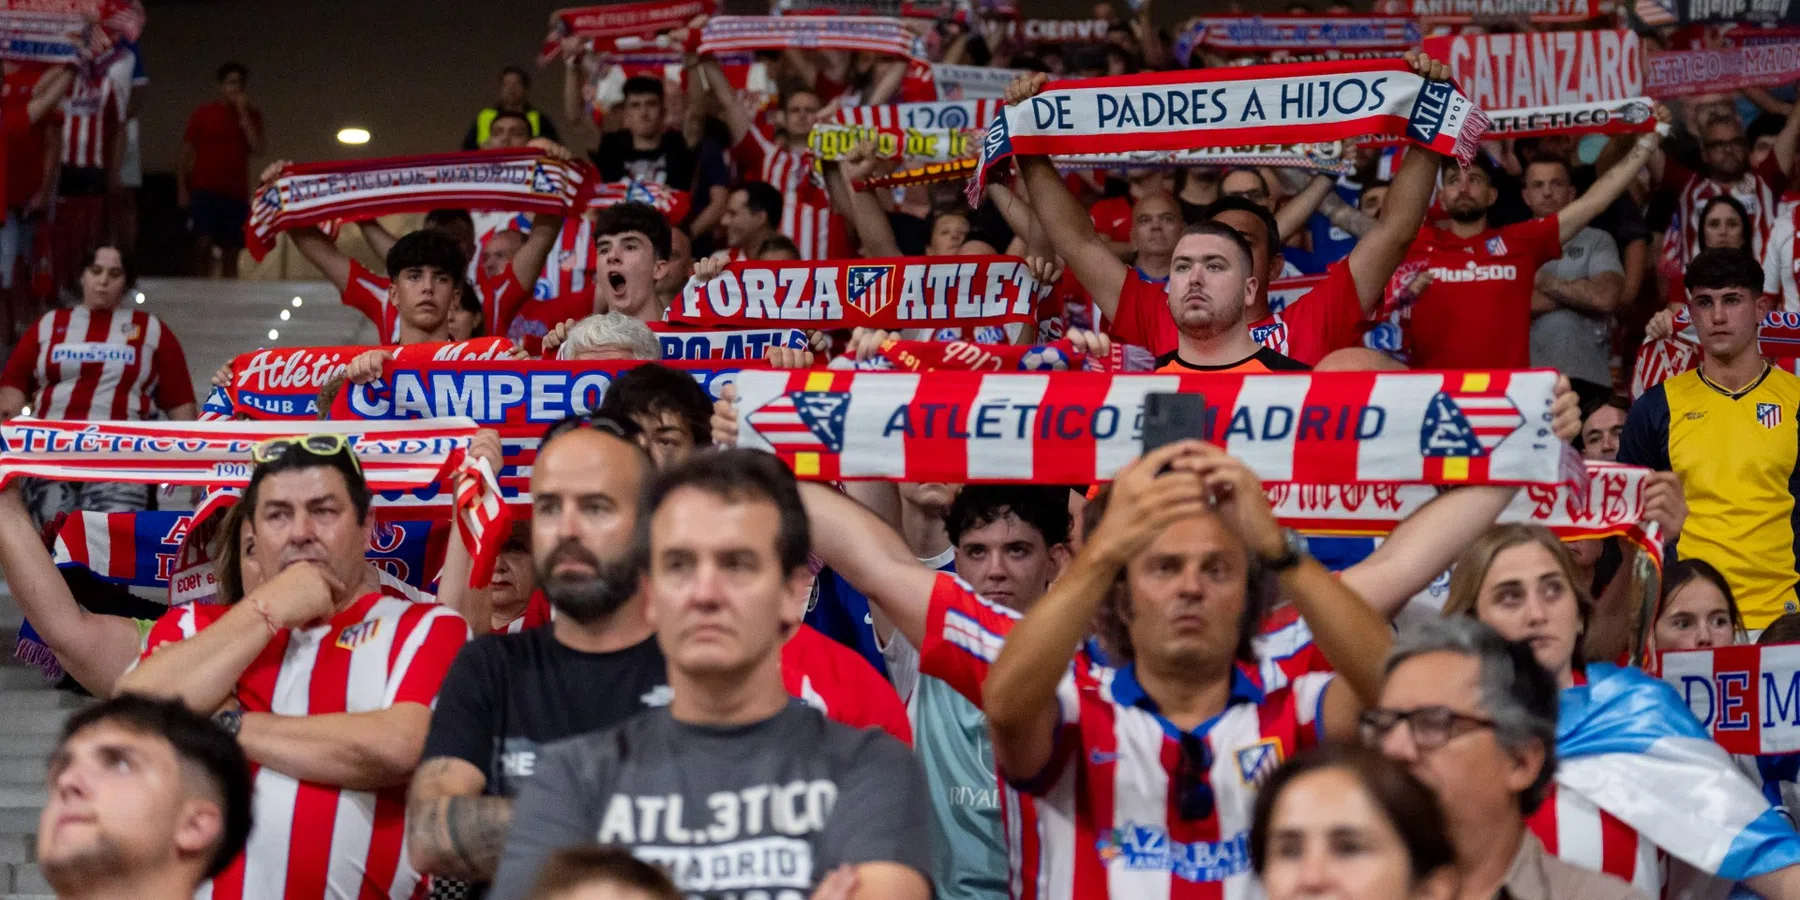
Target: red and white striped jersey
1757	190
1104	818
1580	833
106	364
367	293
806	215
315	840
1284	650
93	112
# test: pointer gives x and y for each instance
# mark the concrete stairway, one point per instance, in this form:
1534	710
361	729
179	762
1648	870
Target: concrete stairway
31	715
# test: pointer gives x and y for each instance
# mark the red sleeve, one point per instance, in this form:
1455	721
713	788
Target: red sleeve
1541	238
819	670
1131	325
21	366
417	680
360	295
963	635
174	386
180	623
1326	318
502	296
749	153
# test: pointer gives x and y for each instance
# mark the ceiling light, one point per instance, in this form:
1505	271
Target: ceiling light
274	335
140	296
296	302
353	136
285	315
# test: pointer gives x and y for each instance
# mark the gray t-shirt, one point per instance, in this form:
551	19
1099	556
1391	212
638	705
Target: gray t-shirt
762	810
1573	343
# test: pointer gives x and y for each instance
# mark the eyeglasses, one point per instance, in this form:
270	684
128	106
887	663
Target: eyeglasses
1193	784
1252	196
1432	726
1734	142
273	449
623	429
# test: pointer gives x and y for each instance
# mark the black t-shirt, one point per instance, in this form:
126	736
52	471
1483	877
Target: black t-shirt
506	695
670	163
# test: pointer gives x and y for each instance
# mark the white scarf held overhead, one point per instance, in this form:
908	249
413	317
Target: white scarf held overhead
1295	102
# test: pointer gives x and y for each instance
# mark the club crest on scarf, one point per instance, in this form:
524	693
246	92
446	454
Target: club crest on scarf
1769	414
804	420
871	288
1467	424
359	634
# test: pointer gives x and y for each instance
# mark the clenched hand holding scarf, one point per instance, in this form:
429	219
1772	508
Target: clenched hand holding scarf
1295	102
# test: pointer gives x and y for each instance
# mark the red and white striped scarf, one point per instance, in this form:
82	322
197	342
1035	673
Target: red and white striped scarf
1462	11
1080	427
522	181
1303	33
283	383
1629	116
1288	103
603	26
59	32
886	36
967	356
902	292
672	203
1611	504
1682	73
928	114
1777	340
1327	157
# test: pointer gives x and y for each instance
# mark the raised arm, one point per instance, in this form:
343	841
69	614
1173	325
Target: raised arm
736	118
528	262
1375	257
1785	141
380	239
96	649
866	216
1293	215
1608	187
870	555
50	90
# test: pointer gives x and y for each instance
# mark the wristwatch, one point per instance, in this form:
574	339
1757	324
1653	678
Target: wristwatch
1290	557
232	720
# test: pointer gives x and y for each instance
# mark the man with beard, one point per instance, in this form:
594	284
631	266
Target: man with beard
596	665
1476	313
1210	286
147	800
1725	169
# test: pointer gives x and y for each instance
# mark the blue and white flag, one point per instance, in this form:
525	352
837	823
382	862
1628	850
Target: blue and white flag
1626	742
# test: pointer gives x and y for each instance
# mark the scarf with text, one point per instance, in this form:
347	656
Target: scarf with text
1611	505
731	34
1464	11
1633	115
602	26
1291	102
737	343
952	114
516	398
1267	33
1050	31
1777	339
1060	355
834	142
1682	73
284	383
59	32
671	202
1080	427
1326	157
1724	687
930	173
523	181
399	456
903	292
965	83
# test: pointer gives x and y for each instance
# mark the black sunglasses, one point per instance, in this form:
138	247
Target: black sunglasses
1193	782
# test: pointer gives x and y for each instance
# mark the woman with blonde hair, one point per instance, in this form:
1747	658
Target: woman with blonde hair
1636	773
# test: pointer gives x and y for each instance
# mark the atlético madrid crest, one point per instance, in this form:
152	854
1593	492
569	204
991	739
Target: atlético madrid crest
1769	414
355	636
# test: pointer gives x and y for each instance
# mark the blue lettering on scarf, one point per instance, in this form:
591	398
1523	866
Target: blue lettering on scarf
1428	112
1150	848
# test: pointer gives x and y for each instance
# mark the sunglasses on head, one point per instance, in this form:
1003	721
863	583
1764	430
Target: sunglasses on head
623	429
269	451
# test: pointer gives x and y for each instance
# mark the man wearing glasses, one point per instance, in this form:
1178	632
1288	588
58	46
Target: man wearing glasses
1475	718
1725	169
328	687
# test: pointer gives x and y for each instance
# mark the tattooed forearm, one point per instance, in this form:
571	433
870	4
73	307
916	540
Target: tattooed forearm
459	837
